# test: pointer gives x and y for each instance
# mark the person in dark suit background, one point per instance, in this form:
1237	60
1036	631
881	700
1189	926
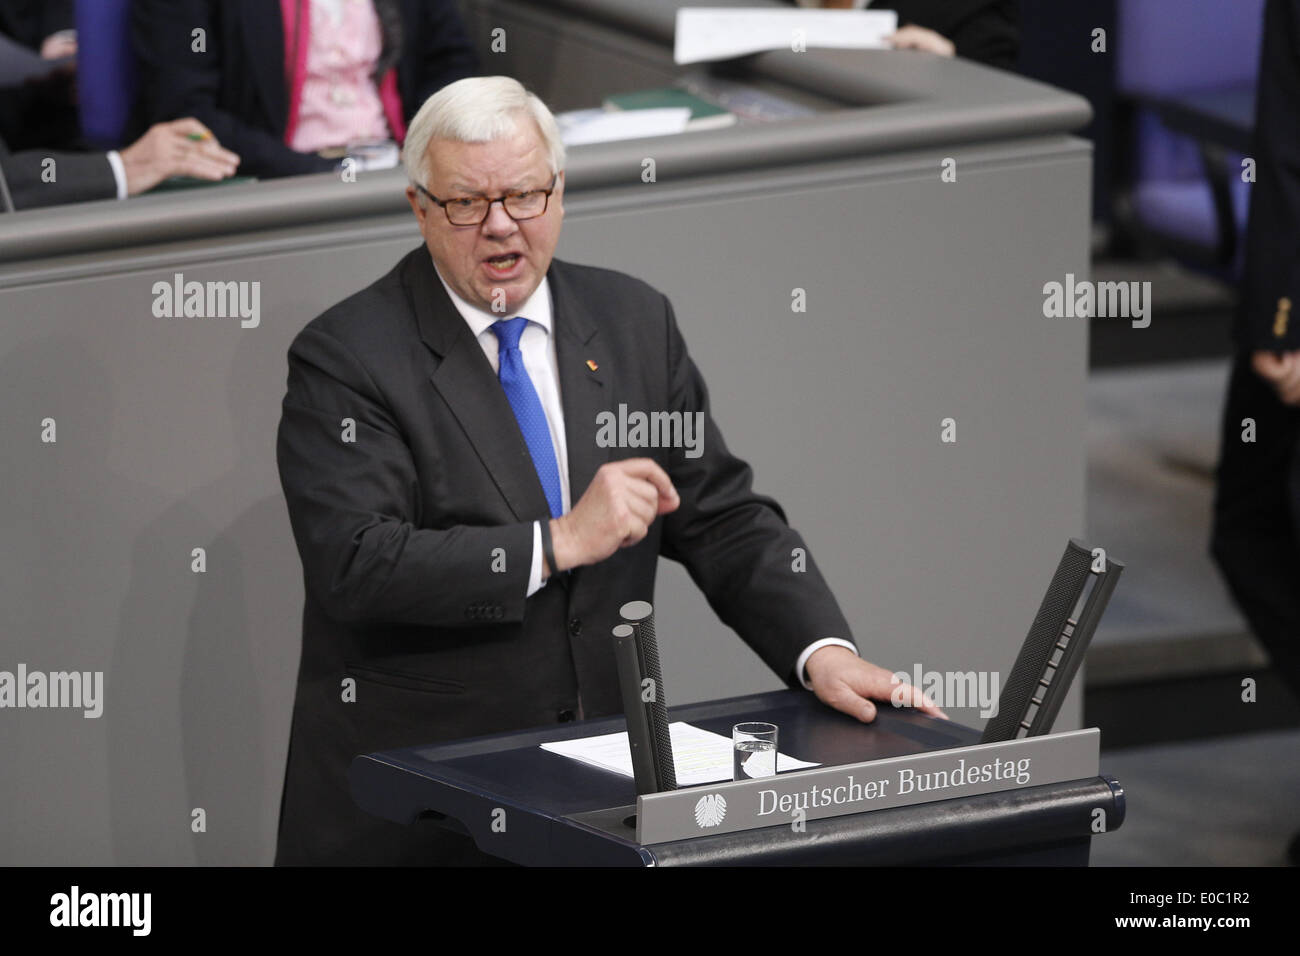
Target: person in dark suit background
1256	533
39	24
987	31
81	177
43	113
40	177
248	85
41	157
466	539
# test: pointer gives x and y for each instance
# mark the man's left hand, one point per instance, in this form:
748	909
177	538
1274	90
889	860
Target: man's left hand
842	680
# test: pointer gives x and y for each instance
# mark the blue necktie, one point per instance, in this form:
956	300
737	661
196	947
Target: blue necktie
528	409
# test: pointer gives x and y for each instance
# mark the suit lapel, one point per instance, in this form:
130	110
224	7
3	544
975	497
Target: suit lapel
466	383
263	31
584	392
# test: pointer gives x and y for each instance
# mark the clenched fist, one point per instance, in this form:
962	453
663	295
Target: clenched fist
615	511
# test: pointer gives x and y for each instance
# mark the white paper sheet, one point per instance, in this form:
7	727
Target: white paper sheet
719	33
699	756
604	126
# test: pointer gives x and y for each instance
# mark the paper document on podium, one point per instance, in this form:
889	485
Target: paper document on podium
720	33
699	756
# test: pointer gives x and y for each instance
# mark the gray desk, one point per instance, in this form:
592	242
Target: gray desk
924	302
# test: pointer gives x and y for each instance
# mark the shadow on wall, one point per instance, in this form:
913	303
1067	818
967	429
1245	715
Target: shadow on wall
231	636
68	522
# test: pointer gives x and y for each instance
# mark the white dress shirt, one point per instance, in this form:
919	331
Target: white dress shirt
537	344
119	172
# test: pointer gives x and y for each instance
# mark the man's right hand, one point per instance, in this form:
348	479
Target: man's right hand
615	511
1280	371
167	150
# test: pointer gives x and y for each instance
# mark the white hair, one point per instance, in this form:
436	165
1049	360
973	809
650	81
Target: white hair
477	109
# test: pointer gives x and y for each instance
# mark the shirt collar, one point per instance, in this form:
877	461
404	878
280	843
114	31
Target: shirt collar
536	308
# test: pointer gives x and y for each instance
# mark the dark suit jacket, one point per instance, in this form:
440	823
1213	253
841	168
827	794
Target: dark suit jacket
1272	264
397	532
31	21
38	114
237	87
78	177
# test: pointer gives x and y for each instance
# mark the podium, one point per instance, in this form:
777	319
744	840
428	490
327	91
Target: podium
523	804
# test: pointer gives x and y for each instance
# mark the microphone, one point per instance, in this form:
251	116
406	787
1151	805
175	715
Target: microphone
641	683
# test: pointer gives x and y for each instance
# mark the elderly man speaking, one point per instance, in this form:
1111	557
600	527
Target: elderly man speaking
466	539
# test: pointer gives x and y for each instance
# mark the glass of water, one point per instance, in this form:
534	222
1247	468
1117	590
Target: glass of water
753	750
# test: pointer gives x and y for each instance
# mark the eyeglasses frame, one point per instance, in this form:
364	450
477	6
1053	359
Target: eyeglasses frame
442	203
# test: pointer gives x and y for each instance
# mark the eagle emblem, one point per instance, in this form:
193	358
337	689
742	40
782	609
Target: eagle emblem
710	809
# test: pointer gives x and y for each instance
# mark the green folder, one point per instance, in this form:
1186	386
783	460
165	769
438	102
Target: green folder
192	182
704	115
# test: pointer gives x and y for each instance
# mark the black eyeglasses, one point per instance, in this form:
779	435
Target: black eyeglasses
472	210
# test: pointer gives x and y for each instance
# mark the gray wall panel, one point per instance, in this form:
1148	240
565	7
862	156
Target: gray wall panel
938	553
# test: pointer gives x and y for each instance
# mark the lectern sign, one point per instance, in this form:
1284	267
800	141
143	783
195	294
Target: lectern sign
872	785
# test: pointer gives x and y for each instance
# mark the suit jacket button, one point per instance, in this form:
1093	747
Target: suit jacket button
575	626
565	716
498	611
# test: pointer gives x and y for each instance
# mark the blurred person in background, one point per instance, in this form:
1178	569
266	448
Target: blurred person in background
1256	534
987	31
41	113
293	86
41	177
